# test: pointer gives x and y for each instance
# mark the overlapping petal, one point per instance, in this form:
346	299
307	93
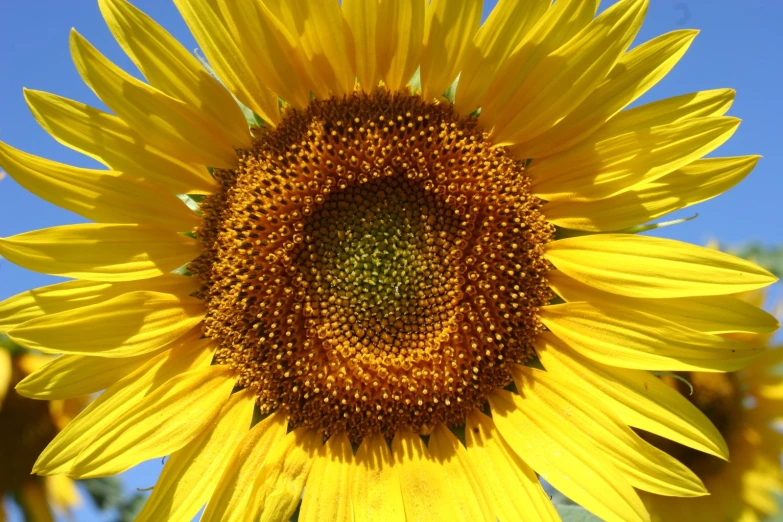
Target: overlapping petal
168	66
232	496
100	252
713	314
124	326
111	141
122	397
206	22
169	123
638	397
649	267
99	195
699	181
191	474
62	297
615	335
375	488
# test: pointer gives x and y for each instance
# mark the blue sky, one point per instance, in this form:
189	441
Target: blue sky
740	46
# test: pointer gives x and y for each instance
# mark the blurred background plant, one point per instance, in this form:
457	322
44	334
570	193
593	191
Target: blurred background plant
26	427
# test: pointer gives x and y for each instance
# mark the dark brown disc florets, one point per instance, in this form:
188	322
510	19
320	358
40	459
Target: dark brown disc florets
374	263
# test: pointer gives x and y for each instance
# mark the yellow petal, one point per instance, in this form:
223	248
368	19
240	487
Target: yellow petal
564	457
111	141
125	326
701	180
225	56
469	494
607	165
448	32
702	104
229	501
398	40
649	267
559	24
362	18
632	75
169	67
71	376
513	488
320	29
376	494
170	124
424	486
66	296
278	488
504	28
103	196
643	465
269	50
159	424
618	336
564	79
191	473
153	376
328	490
713	314
637	397
99	252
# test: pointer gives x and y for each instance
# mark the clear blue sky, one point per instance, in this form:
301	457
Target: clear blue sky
740	46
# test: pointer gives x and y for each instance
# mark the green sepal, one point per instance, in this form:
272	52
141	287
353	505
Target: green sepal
675	376
654	226
415	83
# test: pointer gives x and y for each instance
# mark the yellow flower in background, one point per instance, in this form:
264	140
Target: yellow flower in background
350	296
744	406
26	427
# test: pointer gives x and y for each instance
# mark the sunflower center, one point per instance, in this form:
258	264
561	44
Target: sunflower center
374	263
719	397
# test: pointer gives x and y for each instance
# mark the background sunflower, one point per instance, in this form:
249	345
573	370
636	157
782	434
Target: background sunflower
26	426
732	229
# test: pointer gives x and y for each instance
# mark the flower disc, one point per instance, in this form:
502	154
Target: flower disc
373	264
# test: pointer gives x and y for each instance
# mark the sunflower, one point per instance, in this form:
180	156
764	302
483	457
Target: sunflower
26	427
744	406
354	295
